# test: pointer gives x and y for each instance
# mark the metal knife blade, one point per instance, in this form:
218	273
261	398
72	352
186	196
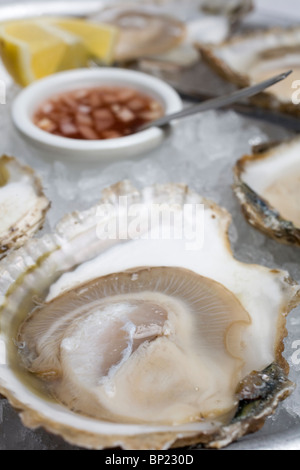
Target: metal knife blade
218	102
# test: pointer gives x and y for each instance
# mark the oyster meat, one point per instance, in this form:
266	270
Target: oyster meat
134	325
22	203
251	58
267	184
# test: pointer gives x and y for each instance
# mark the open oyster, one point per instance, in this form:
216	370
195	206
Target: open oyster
157	35
133	325
251	58
22	203
267	184
143	30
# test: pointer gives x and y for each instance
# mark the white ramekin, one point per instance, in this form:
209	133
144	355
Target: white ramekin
56	147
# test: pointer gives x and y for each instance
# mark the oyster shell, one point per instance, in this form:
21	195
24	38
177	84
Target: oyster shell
146	337
235	9
248	59
267	187
143	30
159	38
22	203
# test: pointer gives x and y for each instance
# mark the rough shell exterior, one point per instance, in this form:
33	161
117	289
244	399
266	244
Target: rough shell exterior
21	229
257	210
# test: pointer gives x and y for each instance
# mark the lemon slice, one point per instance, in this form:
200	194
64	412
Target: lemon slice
99	39
33	49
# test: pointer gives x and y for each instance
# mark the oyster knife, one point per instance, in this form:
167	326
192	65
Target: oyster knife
216	103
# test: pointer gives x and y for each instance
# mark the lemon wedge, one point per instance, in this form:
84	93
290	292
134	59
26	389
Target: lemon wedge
33	49
99	39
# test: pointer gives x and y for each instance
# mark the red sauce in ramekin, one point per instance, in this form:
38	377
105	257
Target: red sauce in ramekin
97	113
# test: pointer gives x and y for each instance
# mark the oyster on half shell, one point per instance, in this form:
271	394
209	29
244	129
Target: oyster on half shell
22	204
156	37
133	325
250	58
267	185
143	30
